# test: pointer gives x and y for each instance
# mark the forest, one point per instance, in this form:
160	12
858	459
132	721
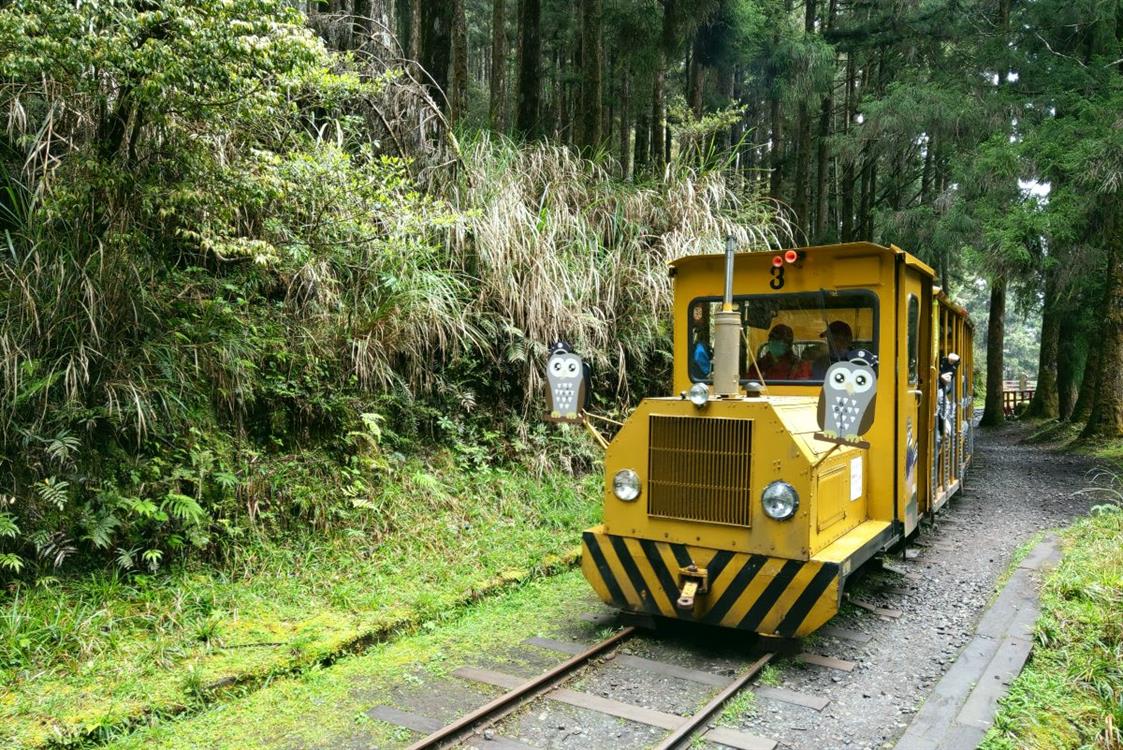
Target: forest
277	274
239	233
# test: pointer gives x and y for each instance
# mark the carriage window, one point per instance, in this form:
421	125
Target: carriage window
788	338
914	337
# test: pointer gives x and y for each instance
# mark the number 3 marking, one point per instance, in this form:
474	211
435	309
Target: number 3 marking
777	277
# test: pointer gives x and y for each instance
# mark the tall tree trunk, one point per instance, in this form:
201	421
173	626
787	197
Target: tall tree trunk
592	65
642	148
530	67
822	170
658	90
846	189
996	339
360	23
415	31
658	112
458	96
497	105
800	201
1068	362
869	186
926	172
1106	418
436	49
727	85
559	118
625	125
802	197
776	149
1045	403
696	74
611	100
1086	398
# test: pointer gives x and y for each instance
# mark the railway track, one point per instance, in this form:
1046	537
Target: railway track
479	727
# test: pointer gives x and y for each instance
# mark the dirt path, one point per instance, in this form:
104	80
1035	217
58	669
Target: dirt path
1012	492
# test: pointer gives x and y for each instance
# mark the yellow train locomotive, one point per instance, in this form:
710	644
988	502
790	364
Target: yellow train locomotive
823	409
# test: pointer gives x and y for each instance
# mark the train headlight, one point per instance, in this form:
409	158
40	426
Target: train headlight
699	394
779	500
625	485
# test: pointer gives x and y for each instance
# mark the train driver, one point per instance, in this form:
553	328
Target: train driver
839	341
779	361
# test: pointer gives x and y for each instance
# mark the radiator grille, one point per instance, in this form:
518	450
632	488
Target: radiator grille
698	469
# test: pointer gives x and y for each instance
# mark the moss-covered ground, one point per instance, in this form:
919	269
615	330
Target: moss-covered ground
85	657
277	716
1070	694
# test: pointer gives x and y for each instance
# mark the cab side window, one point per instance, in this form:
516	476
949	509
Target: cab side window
914	339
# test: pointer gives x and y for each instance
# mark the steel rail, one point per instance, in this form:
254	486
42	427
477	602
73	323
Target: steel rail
682	736
495	710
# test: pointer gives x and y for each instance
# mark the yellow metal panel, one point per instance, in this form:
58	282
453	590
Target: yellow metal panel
831	496
857	271
665	605
750	592
787	600
846	547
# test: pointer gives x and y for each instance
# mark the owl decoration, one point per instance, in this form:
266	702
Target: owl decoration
566	374
846	403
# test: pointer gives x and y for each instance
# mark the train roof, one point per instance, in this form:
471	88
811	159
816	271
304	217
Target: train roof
688	261
910	260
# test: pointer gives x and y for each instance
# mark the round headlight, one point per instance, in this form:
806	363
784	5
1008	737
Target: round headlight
699	394
779	500
625	485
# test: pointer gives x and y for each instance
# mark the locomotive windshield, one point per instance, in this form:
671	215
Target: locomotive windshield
788	338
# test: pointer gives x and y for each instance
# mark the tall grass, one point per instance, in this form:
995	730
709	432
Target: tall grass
558	248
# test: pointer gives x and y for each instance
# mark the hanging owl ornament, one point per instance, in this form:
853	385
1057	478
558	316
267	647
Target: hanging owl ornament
565	373
847	399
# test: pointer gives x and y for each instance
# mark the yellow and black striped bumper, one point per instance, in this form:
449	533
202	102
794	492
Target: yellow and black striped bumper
768	595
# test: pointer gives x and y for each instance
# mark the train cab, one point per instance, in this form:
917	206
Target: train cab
821	408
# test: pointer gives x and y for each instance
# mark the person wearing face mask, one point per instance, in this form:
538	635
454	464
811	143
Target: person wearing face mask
779	361
840	339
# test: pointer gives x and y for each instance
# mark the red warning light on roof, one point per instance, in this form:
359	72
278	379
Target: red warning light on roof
791	256
777	261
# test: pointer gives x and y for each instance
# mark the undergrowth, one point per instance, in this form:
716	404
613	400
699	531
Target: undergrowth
1070	693
86	656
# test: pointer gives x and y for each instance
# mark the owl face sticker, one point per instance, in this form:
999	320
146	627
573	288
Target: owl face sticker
846	403
565	375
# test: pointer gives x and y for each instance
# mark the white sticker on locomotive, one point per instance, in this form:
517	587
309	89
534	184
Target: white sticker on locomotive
855	478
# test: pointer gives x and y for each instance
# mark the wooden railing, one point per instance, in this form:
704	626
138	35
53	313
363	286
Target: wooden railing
1013	397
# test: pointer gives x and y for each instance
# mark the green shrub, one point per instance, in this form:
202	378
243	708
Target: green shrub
226	307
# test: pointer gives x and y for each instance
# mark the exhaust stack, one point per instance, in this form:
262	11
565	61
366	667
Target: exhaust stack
727	335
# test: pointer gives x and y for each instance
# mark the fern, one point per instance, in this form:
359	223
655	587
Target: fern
56	548
62	447
126	558
153	558
225	479
184	508
11	562
8	526
53	491
139	507
99	530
